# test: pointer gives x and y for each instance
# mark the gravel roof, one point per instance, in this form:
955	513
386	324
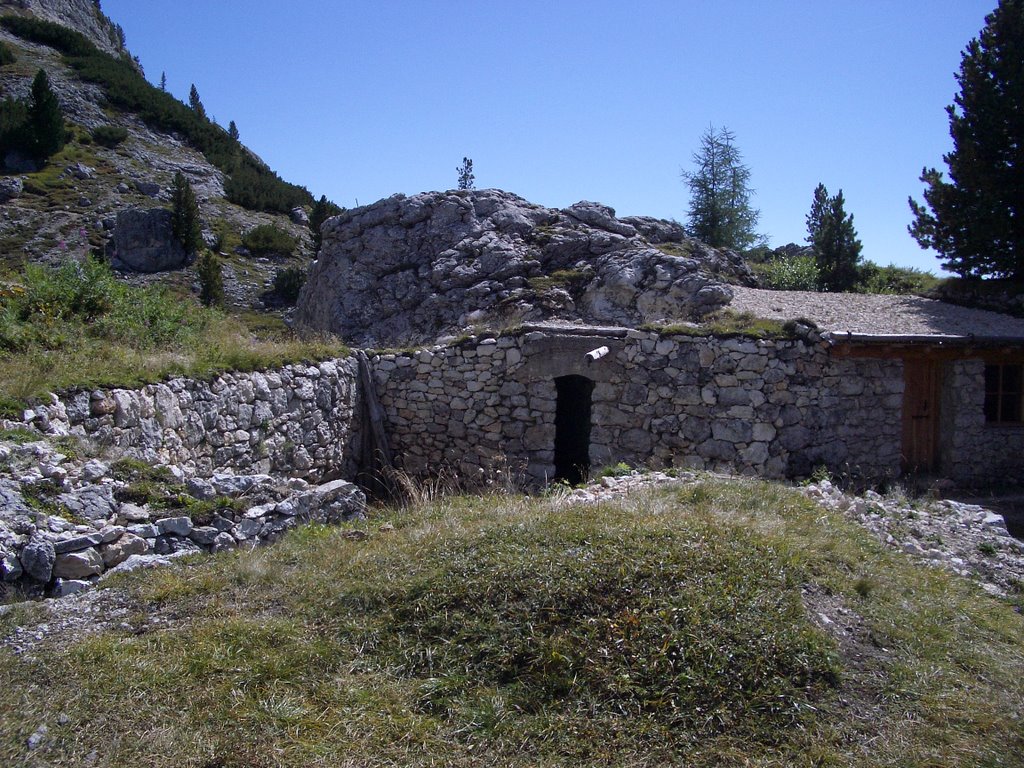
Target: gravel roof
878	315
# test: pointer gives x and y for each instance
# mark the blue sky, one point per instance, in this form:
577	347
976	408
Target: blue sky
567	101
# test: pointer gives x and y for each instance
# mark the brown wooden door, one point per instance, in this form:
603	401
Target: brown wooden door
920	416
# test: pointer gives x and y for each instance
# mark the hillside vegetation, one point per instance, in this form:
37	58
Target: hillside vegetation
250	183
719	623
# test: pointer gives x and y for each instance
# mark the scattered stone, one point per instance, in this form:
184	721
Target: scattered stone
78	565
143	241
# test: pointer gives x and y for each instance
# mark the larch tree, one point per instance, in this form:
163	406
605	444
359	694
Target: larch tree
720	212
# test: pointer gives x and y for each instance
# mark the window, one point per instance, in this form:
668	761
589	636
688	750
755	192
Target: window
1003	393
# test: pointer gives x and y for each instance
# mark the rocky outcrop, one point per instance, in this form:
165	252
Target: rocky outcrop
408	269
144	242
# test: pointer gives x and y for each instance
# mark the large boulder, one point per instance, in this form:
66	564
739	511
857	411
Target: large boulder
408	269
143	241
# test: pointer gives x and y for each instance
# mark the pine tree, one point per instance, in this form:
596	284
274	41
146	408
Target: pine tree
233	130
720	212
185	226
195	104
323	209
163	81
976	219
45	120
831	234
465	171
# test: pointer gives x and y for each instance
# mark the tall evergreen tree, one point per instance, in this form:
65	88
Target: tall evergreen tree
831	234
195	104
233	130
323	209
185	225
45	120
465	171
163	81
720	211
976	219
211	280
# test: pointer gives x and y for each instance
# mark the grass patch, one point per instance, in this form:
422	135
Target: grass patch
675	627
570	279
78	326
726	323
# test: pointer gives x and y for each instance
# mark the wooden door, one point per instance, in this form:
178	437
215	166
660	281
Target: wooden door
920	416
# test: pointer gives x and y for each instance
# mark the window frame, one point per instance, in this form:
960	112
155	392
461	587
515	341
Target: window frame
996	397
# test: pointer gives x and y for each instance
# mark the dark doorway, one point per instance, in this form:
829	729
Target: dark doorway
572	428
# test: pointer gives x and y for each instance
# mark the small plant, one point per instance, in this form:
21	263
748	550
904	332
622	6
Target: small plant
863	586
268	239
616	470
109	136
987	548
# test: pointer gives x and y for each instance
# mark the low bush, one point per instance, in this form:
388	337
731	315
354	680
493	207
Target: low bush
6	54
268	239
288	282
110	135
790	273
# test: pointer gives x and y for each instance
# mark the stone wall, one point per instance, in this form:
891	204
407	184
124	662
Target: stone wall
297	420
972	451
769	407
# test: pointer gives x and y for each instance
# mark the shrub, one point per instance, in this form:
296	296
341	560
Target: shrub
288	282
211	280
6	54
892	279
791	273
110	135
266	238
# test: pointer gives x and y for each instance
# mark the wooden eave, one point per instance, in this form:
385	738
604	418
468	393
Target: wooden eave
932	347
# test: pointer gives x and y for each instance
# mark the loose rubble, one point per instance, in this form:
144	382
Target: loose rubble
66	522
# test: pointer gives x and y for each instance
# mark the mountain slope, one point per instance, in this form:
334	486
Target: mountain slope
70	206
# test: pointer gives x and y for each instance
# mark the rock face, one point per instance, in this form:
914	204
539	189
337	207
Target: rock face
143	242
407	269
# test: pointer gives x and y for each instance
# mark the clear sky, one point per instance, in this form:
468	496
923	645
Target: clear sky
567	101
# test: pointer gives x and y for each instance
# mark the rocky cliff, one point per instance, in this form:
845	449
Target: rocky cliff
409	269
83	16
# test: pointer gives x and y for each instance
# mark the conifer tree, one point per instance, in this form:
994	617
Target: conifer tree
831	234
185	225
465	171
323	209
720	211
976	219
233	130
45	127
163	81
195	104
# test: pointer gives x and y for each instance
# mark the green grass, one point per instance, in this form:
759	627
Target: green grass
726	323
676	627
569	279
78	326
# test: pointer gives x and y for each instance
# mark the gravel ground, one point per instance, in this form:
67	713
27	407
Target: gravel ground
876	314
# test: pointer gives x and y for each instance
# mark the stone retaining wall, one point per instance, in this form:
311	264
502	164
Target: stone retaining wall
297	420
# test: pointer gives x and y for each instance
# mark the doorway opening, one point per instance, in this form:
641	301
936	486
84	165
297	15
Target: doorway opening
572	428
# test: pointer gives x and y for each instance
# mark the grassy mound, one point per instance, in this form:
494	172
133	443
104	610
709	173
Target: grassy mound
719	624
